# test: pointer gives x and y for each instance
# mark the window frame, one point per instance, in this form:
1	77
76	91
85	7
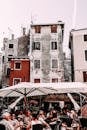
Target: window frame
53	28
54	45
36	65
54	80
11	46
10	57
56	60
85	55
8	70
85	37
37	80
38	29
15	66
35	47
16	79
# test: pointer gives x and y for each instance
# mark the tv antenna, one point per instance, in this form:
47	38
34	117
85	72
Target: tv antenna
33	18
74	14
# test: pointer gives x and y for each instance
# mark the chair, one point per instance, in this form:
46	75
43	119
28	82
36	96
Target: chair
37	127
83	122
2	127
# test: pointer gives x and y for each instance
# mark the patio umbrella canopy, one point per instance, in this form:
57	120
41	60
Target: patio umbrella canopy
36	89
27	89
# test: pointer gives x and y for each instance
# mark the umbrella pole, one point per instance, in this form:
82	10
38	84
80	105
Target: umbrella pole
25	102
40	100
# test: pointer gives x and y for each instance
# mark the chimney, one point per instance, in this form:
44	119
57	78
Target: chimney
12	36
24	31
5	39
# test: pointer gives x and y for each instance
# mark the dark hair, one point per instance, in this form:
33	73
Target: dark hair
54	115
34	115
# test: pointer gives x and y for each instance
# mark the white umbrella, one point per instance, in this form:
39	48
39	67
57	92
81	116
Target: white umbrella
27	89
34	89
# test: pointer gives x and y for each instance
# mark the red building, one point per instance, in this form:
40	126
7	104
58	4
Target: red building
19	71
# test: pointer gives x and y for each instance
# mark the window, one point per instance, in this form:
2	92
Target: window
85	37
53	45
54	63
37	64
54	29
17	65
3	58
16	80
9	57
36	45
10	45
54	80
86	55
85	76
36	80
37	29
8	72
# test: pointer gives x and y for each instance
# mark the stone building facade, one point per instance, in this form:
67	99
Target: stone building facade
44	47
46	52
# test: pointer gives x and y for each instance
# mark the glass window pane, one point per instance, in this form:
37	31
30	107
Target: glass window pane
54	63
37	64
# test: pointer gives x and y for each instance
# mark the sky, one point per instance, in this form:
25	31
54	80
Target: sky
15	14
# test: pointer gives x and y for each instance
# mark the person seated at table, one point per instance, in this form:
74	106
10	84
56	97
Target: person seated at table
53	118
27	119
65	118
42	117
35	124
14	121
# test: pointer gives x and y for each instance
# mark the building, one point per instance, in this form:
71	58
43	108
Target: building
13	48
19	70
10	47
78	46
23	44
46	52
67	68
0	69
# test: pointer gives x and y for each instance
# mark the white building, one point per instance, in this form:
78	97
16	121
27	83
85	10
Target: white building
78	46
46	52
0	68
67	68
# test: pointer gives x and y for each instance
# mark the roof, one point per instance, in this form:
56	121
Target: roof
48	24
20	57
81	29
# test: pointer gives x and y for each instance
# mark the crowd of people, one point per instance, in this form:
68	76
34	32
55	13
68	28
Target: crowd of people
31	120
